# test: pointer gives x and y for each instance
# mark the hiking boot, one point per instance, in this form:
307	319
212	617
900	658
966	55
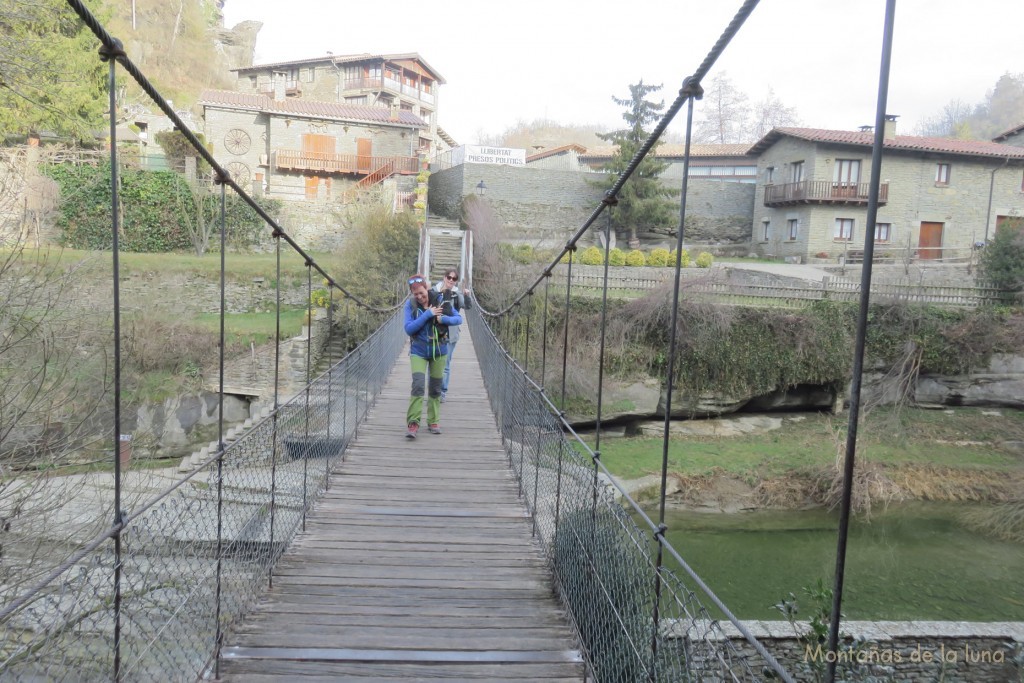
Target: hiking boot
435	429
413	428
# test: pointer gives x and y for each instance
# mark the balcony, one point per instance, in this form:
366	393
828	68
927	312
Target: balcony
388	84
324	163
822	192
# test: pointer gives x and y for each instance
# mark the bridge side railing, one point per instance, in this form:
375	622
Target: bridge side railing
196	555
637	618
110	571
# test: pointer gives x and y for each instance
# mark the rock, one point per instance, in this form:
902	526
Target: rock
718	427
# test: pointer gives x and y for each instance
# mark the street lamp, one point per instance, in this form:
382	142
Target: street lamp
481	188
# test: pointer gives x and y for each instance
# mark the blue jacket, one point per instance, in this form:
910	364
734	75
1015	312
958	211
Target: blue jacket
421	327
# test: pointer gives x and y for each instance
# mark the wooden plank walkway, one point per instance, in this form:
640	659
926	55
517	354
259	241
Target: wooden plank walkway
417	564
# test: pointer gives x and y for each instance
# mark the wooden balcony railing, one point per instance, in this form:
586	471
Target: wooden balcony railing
322	162
821	192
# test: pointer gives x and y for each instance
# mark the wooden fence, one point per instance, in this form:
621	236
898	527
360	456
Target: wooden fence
709	286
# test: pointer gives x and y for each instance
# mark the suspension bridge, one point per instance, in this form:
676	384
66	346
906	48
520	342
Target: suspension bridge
321	543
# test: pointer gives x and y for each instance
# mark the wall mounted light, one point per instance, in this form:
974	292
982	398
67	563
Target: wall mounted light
481	188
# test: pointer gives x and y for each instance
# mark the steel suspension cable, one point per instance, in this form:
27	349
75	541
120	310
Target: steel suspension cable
659	534
110	56
277	381
858	353
218	638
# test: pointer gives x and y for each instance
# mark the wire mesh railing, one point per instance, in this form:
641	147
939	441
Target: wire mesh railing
115	571
196	556
607	557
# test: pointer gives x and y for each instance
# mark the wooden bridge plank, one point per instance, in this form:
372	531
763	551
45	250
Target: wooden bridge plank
420	548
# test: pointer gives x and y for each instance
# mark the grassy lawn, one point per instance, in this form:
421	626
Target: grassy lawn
960	438
256	328
239	266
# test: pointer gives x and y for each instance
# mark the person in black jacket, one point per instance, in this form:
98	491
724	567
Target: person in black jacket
461	301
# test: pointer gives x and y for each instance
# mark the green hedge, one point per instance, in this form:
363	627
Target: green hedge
156	207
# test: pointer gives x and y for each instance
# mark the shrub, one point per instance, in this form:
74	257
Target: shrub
616	257
320	298
636	258
704	260
592	256
1002	260
684	260
523	253
658	257
570	256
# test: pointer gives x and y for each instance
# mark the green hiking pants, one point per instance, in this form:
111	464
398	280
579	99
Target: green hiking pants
421	369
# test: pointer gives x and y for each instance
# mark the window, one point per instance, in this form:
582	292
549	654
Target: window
769	174
766	228
846	171
796	172
883	232
844	230
794	227
942	174
356	100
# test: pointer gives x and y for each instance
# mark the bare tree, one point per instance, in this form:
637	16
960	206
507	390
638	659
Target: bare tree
725	113
771	113
53	369
951	121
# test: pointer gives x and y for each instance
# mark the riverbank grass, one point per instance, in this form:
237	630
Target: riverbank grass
957	445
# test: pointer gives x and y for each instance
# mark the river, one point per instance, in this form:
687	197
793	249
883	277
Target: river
912	561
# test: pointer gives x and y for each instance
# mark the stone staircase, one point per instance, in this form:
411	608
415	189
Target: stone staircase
334	350
445	246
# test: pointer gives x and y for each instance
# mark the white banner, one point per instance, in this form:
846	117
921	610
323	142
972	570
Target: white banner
478	154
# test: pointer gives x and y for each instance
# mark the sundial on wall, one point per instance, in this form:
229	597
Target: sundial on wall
240	173
237	141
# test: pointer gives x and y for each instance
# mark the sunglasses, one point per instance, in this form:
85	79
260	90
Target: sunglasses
414	280
451	278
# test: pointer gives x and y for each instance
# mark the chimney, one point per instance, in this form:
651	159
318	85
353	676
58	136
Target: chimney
890	126
395	109
279	80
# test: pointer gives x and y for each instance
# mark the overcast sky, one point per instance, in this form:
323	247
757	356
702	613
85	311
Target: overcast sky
564	59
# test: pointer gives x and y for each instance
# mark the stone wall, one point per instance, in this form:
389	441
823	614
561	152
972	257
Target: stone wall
905	650
544	206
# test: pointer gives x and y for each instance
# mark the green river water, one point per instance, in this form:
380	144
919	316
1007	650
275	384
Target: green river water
912	561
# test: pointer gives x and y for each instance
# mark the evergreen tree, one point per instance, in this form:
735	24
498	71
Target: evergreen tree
643	202
1002	260
51	77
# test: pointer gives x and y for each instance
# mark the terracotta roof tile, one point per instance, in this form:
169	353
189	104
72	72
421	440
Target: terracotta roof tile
1008	132
911	143
311	108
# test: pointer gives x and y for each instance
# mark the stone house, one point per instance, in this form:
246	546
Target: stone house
938	197
1014	136
302	149
395	82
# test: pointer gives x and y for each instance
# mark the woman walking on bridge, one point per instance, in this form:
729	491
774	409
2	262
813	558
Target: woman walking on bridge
449	291
427	318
